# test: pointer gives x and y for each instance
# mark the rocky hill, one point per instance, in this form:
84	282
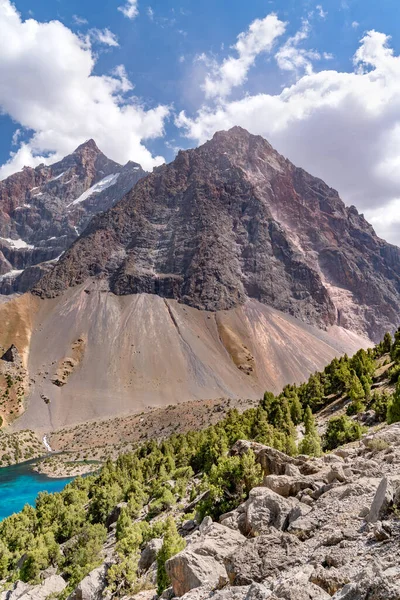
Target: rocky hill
43	210
247	509
233	220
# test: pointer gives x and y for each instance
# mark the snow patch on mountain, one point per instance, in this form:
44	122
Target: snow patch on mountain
19	244
98	187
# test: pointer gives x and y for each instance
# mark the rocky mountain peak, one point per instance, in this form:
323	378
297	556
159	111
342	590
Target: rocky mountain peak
43	210
89	145
233	220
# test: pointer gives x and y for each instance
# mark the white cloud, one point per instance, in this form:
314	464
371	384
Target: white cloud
321	12
150	13
355	24
343	127
130	9
47	86
232	72
104	36
79	20
292	58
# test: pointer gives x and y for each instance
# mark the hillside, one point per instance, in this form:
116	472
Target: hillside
43	210
209	514
208	279
90	354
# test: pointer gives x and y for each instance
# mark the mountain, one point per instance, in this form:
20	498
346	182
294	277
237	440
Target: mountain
233	220
43	210
225	273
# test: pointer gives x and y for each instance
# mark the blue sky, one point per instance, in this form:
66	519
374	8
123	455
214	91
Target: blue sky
60	84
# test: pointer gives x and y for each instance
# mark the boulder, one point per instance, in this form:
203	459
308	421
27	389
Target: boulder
114	514
265	509
286	485
92	586
262	557
201	563
22	591
149	554
188	570
383	497
258	591
214	540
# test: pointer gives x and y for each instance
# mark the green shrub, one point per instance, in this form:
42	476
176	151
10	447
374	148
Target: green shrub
341	430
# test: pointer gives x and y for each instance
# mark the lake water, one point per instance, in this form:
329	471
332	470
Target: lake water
19	485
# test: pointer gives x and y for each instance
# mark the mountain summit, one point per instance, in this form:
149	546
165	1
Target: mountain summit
232	220
43	210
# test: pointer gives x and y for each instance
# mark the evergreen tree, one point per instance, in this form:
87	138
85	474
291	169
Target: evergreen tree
296	411
357	395
311	443
393	411
395	350
387	343
172	544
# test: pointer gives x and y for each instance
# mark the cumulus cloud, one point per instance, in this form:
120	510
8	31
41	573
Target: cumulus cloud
47	86
130	9
232	72
341	126
291	57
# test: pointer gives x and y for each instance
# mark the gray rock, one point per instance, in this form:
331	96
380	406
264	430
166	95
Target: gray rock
265	509
382	498
262	557
149	554
22	591
92	586
201	563
188	570
285	485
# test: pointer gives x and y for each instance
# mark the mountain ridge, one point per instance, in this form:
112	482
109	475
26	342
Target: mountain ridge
232	220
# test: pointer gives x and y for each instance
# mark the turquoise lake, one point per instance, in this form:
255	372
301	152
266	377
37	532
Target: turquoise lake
19	485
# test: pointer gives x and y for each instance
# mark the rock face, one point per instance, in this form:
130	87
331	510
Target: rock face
234	220
43	210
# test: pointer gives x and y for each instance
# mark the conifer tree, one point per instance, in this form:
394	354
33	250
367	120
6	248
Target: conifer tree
311	443
357	395
393	411
172	544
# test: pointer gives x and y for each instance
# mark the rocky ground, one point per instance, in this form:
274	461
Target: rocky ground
317	528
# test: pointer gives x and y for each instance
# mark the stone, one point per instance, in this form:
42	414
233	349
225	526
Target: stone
92	586
381	501
258	591
114	514
285	485
188	570
380	533
336	473
54	584
265	509
263	557
149	554
201	563
292	470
